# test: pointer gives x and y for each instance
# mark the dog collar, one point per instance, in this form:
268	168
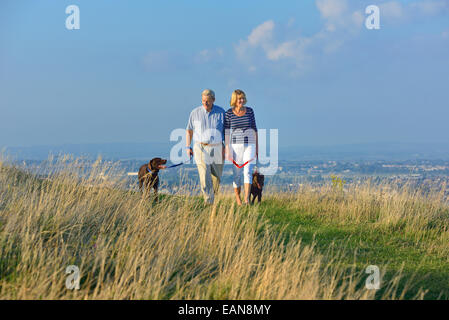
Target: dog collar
149	170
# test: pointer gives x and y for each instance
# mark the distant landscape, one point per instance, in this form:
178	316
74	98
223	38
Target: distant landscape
414	165
148	150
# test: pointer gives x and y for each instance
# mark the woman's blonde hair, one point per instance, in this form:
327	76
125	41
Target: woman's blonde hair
235	95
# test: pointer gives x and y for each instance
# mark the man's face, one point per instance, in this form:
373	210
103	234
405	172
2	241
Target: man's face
208	102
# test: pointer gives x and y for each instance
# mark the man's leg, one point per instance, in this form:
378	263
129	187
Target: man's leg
204	173
217	167
216	170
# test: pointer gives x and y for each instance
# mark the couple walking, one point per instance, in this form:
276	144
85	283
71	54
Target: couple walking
219	135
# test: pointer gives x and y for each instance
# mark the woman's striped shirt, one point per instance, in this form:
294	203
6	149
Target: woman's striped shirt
243	130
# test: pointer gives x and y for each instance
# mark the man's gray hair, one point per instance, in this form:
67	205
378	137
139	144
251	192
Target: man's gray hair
208	93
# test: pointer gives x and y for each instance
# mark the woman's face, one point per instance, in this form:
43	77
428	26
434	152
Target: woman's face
240	101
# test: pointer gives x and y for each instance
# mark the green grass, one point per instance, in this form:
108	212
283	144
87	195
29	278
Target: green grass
367	244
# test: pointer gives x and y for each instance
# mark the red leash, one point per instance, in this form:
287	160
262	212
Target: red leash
240	167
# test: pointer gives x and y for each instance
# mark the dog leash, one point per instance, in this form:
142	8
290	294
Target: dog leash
179	164
233	161
176	165
241	166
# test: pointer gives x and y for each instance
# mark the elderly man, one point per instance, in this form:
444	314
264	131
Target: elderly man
206	125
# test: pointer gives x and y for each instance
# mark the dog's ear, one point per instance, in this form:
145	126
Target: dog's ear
151	164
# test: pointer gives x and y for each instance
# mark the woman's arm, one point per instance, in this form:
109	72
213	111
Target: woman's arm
254	127
227	132
227	148
257	146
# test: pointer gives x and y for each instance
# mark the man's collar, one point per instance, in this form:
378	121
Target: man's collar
213	106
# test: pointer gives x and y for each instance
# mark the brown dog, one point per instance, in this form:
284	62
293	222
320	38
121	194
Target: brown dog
148	174
257	186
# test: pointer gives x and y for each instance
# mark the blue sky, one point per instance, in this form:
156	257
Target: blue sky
135	69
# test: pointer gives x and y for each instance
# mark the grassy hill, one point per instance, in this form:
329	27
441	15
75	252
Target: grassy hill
312	244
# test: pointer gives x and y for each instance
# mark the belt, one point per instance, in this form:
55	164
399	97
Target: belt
210	144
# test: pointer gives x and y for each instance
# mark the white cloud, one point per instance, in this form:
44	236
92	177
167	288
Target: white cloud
262	41
270	44
264	44
260	37
261	34
284	50
338	15
332	9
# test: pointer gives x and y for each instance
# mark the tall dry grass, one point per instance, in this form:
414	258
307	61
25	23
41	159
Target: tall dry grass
419	214
127	247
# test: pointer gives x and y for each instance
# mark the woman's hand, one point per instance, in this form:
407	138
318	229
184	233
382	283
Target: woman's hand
228	153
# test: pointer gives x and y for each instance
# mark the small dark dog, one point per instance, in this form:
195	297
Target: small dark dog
148	175
257	186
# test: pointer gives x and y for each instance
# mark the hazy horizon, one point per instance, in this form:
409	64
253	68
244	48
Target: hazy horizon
146	150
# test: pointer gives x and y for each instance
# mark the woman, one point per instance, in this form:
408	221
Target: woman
241	142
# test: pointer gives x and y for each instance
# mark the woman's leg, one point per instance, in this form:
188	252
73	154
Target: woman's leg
247	191
249	153
237	196
237	155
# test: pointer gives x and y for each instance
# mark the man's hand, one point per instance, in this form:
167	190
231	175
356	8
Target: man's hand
189	134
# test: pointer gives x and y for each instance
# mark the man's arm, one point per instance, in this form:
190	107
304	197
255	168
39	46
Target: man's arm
189	134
